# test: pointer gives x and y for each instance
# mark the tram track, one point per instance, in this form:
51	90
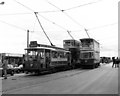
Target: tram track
37	81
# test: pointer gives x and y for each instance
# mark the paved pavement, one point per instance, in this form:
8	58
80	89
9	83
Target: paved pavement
103	80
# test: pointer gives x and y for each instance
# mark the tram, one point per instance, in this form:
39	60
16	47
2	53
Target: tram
74	47
90	52
39	57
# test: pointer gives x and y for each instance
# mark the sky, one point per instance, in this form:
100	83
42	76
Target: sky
99	17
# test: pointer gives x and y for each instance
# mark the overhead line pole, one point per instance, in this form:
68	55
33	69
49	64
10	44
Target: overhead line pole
42	28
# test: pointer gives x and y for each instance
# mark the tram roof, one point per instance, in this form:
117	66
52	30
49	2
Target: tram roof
46	48
89	39
71	40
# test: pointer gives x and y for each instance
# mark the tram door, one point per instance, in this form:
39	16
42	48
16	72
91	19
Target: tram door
45	61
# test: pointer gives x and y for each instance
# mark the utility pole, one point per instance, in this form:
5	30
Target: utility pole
27	38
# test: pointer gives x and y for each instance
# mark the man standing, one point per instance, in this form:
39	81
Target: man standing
5	67
117	62
114	63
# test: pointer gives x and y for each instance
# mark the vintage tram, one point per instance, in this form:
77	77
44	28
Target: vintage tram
90	52
40	57
74	47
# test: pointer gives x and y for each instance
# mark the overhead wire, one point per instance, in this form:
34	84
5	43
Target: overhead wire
80	5
53	22
38	21
57	25
65	13
69	17
15	14
94	28
43	16
49	11
13	25
24	6
98	27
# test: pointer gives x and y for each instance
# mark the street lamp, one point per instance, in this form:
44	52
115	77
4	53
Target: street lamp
2	3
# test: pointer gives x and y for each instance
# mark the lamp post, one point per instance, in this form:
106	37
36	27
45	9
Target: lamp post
4	59
2	3
27	38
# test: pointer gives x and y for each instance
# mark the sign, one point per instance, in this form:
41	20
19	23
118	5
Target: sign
13	55
33	44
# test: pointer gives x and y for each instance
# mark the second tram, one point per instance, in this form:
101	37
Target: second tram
74	47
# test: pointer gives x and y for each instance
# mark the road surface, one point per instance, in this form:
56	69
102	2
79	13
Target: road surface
102	80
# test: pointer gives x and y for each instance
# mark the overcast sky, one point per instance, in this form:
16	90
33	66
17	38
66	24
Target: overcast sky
99	17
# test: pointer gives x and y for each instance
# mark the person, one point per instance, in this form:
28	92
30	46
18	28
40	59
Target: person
114	62
47	60
117	62
5	68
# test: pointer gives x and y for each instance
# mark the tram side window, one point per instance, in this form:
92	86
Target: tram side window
54	54
41	54
61	55
67	43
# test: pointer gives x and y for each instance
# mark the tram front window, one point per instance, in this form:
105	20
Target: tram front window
87	43
88	55
32	55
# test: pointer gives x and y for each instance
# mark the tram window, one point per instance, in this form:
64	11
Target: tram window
67	43
61	55
41	54
84	55
87	55
33	54
91	55
54	54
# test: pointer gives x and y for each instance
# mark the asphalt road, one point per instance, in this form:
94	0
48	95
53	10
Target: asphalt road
102	80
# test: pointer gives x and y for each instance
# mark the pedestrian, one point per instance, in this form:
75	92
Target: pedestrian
117	62
114	62
4	65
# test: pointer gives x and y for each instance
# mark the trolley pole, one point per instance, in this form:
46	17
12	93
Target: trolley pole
27	38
